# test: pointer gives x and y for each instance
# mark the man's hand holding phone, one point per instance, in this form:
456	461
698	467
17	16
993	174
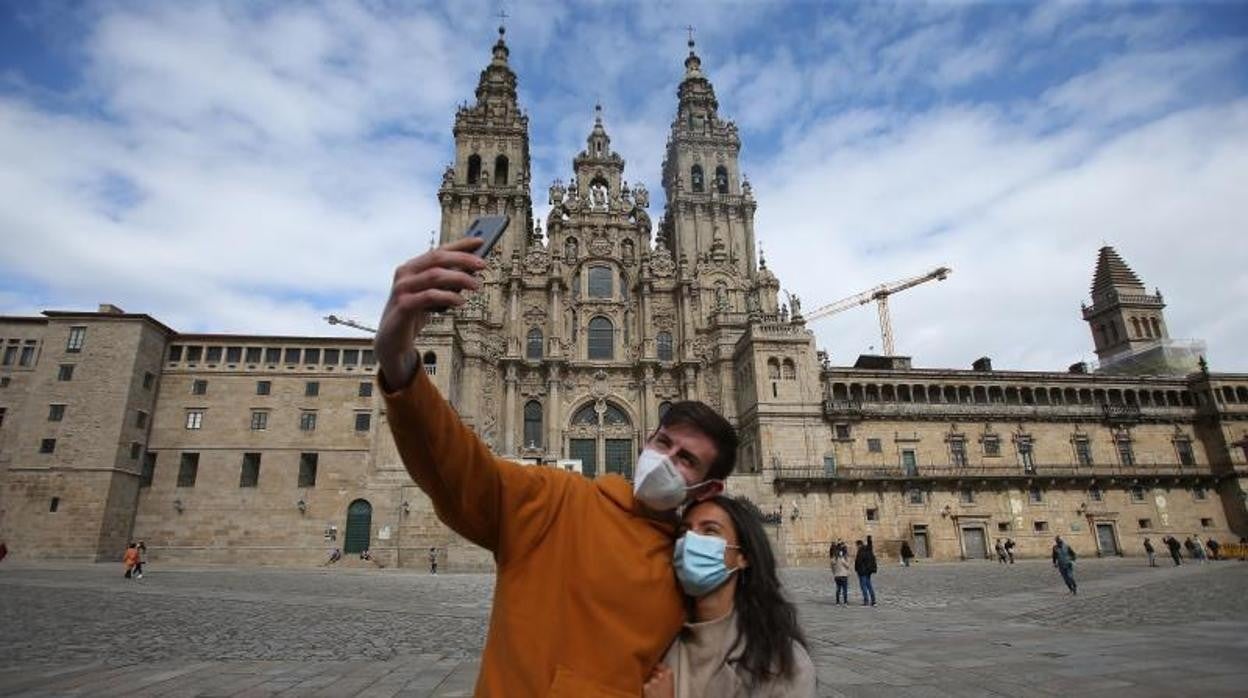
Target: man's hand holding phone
428	283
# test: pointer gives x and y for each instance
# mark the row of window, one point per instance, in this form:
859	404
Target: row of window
601	342
1024	446
249	473
697	179
291	356
260	420
19	352
1010	395
199	386
1035	495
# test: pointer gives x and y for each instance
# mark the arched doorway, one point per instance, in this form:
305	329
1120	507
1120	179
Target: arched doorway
601	437
359	525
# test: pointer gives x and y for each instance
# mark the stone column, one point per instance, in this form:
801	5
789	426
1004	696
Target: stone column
647	401
509	411
556	321
554	413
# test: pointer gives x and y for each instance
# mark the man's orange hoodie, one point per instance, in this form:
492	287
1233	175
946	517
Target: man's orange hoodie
585	601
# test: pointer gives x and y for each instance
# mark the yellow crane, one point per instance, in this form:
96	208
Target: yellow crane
880	295
335	320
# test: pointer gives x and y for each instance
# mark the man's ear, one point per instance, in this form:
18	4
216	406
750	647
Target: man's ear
709	489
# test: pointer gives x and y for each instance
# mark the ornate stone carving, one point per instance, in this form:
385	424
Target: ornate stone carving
661	263
663	320
600	247
537	263
640	196
534	316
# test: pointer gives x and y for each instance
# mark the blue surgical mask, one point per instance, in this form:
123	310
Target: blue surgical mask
699	563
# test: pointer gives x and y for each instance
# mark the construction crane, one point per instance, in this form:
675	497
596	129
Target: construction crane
880	295
335	320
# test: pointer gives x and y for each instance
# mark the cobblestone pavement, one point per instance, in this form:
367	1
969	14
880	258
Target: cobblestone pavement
940	629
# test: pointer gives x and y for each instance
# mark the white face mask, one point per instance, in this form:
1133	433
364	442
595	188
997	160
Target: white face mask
658	484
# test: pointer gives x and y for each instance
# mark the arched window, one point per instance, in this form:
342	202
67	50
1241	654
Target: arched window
600	282
1156	327
665	346
663	408
533	347
614	416
601	339
500	171
586	416
790	370
430	360
532	424
1135	323
474	168
695	178
570	249
721	179
773	369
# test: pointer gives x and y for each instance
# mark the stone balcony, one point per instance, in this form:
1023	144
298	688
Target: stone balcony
811	475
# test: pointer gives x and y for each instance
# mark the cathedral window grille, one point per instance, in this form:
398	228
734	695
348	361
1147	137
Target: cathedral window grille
474	169
614	417
500	171
77	337
1025	456
790	370
65	372
773	369
619	456
1083	450
696	179
586	416
665	346
194	419
1126	454
721	179
601	339
957	452
430	361
1184	449
601	282
533	424
533	345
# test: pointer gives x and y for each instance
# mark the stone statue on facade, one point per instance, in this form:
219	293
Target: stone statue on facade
556	193
598	197
641	196
448	176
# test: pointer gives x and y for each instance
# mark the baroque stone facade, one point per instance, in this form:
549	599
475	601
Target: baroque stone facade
272	449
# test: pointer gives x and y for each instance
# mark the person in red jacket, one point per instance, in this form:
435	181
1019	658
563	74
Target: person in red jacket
131	562
586	600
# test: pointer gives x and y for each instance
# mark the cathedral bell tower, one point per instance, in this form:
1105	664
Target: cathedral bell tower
709	220
1123	316
491	171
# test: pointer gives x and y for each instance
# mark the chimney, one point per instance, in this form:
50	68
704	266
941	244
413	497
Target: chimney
1078	367
110	309
983	363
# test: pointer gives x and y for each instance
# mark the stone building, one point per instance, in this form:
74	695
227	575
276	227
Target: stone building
266	449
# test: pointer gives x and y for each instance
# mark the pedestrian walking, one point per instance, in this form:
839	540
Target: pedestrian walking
1175	554
1009	549
865	566
138	569
840	573
4	550
1243	548
1000	548
1064	560
130	560
1152	554
1213	546
1198	547
433	560
906	553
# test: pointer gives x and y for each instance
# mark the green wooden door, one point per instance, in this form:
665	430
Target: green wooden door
620	457
359	524
587	451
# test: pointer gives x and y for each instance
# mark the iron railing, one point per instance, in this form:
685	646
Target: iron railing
977	472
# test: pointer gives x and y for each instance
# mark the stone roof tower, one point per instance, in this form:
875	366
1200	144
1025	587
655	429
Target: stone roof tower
491	170
1123	316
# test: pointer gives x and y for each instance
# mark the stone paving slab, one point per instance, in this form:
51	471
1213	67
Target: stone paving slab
969	629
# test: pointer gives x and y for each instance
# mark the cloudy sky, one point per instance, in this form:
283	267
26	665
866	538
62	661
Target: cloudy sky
253	166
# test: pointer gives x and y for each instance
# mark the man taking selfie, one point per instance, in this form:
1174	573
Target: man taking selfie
585	601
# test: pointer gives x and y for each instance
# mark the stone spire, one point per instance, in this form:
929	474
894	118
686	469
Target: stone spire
1113	274
1123	316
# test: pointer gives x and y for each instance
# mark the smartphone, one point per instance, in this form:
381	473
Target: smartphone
489	229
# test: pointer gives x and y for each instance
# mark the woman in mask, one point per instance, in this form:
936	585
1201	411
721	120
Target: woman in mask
742	637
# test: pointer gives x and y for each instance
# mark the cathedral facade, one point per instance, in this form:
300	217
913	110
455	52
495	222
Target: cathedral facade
254	449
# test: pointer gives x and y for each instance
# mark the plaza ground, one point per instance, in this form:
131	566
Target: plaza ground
941	629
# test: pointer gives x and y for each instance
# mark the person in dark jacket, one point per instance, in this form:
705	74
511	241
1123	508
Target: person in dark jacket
1152	554
1173	544
1064	561
1213	546
864	565
907	554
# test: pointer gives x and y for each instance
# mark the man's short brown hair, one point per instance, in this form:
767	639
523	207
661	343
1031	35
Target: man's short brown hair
700	416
